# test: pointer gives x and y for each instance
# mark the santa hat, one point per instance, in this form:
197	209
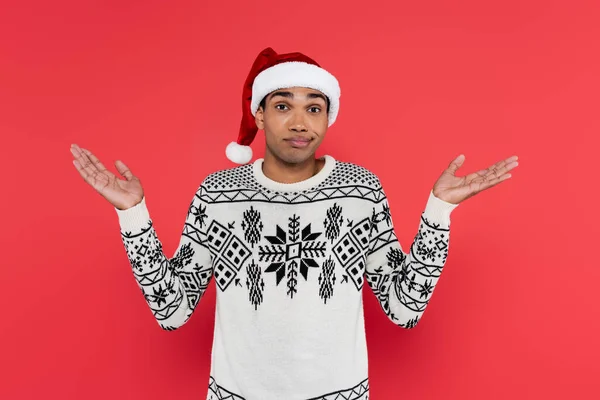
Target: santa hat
272	71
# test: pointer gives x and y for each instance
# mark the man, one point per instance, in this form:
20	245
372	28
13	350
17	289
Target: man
290	240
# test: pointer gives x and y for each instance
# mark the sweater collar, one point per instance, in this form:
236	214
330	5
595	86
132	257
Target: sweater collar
296	186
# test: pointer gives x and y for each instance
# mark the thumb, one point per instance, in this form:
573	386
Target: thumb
123	170
456	164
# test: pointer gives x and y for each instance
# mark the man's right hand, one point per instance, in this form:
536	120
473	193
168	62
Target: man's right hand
122	194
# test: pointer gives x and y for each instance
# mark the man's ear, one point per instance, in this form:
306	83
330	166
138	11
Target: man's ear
259	118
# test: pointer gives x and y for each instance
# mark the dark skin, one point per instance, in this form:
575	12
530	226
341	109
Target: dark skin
290	113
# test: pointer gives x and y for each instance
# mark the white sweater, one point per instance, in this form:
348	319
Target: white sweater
289	262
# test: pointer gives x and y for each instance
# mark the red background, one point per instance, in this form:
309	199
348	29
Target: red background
158	84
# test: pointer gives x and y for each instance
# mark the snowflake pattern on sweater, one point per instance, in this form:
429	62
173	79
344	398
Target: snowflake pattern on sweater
289	263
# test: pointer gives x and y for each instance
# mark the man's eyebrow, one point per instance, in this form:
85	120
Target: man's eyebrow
290	95
317	95
283	94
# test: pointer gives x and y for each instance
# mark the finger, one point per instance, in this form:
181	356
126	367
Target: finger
92	178
456	164
488	183
123	170
501	168
81	171
80	162
109	176
84	161
88	177
477	174
88	169
501	178
95	161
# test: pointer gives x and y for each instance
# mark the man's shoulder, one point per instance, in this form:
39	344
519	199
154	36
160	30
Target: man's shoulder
235	177
354	173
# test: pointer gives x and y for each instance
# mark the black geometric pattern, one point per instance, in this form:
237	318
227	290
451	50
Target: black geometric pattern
333	222
199	213
195	282
229	253
292	253
172	284
238	184
411	277
194	279
380	282
351	250
216	392
360	391
383	215
252	226
327	280
255	284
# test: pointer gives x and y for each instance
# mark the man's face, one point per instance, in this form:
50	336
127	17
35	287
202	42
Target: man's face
294	121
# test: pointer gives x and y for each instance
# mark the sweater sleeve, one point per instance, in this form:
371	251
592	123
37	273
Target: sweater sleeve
171	286
404	282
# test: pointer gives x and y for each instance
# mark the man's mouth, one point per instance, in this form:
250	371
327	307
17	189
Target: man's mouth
299	142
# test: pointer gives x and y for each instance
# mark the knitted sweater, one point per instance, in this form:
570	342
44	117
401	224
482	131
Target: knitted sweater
289	262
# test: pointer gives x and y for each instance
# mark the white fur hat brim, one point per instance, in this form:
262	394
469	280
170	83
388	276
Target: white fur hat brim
297	74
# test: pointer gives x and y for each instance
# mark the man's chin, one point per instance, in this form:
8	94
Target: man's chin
297	156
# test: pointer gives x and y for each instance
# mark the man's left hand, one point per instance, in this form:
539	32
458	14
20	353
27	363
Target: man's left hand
454	189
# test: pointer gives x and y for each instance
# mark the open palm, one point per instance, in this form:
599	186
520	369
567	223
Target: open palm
120	193
454	189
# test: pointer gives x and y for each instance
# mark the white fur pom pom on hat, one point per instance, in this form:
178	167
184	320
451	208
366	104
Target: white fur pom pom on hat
238	153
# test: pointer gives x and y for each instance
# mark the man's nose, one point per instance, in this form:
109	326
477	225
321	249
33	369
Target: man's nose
297	124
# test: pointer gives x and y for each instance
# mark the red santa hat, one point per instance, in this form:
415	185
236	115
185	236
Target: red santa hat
272	71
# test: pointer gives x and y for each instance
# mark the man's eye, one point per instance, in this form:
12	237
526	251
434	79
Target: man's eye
315	108
282	105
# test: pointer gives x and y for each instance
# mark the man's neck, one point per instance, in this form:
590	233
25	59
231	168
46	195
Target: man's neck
280	171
